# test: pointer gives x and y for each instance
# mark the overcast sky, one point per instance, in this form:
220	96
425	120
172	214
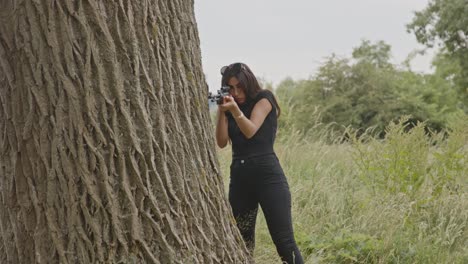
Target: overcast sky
279	38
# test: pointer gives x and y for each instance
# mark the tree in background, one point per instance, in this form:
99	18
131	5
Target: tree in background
367	91
444	23
377	55
106	149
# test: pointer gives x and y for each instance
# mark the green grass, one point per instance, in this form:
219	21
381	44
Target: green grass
399	200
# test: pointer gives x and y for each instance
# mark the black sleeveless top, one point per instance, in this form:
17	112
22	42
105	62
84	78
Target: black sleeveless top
262	142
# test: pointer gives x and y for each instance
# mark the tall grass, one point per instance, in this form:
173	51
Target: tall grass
402	199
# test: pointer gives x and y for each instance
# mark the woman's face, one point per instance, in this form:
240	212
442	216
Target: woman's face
236	92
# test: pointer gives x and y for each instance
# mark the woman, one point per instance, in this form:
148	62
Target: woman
248	119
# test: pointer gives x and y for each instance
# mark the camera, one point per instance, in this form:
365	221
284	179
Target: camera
218	98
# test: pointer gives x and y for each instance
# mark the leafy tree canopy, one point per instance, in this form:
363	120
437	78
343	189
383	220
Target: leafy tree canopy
444	23
367	91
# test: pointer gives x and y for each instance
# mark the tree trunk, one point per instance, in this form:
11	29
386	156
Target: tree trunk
106	146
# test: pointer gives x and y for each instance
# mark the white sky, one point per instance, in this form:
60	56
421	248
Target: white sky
279	38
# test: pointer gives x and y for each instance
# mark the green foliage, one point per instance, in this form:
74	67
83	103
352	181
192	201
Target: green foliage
343	247
375	54
366	92
344	212
396	164
450	157
429	98
445	22
405	160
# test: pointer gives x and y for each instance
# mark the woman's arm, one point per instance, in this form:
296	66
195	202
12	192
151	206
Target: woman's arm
222	136
249	127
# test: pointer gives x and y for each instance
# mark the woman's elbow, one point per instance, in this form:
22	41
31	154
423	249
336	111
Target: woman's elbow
251	132
221	143
250	135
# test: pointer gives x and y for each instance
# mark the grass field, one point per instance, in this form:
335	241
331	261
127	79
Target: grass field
399	200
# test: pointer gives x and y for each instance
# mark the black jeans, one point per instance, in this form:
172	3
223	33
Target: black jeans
261	180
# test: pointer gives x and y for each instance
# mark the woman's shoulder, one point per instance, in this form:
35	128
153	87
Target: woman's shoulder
264	94
267	94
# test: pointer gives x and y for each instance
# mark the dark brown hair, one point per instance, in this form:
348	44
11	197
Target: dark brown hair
247	81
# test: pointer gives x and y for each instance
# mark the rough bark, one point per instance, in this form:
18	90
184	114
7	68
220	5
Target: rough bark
106	147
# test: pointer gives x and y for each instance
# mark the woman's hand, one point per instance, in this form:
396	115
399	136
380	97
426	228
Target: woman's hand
229	104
